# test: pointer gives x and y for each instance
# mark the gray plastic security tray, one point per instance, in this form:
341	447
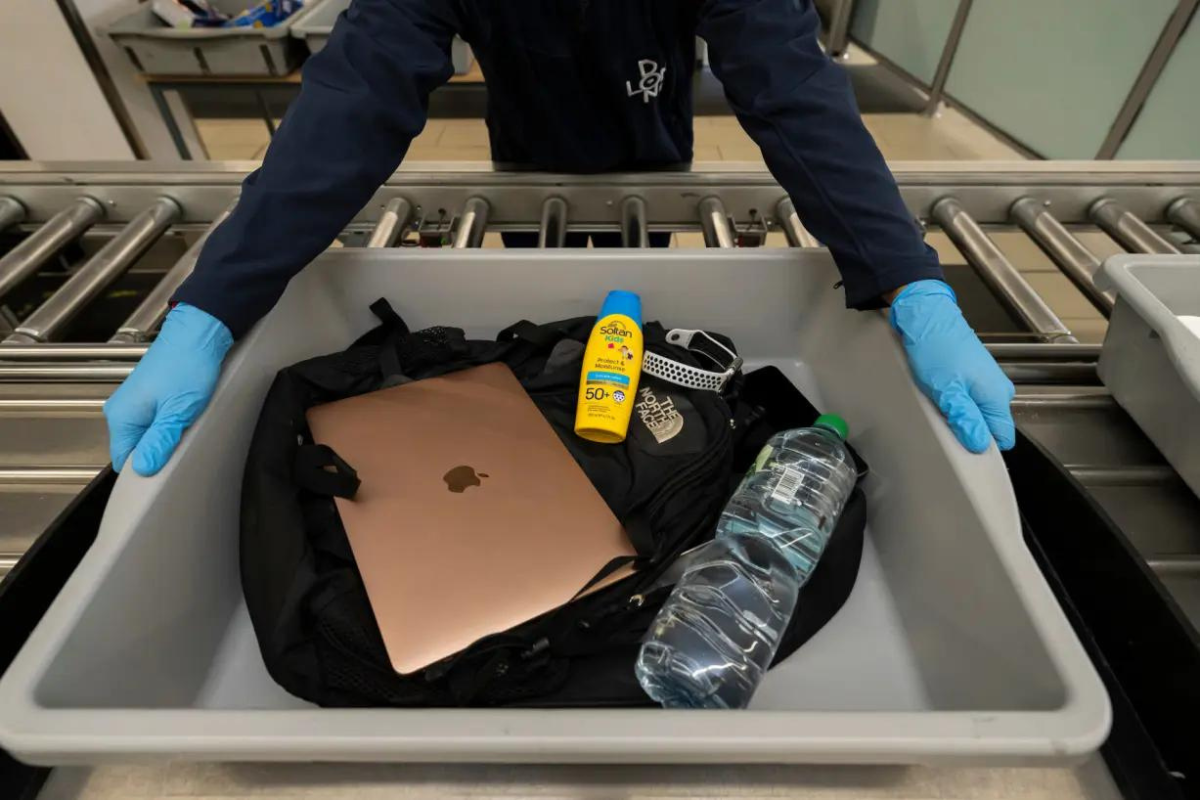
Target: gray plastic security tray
158	49
950	648
1150	360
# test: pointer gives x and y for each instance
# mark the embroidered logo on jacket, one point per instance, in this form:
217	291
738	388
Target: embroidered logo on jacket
651	81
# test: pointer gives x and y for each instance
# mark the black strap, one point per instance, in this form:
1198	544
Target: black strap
392	321
312	472
389	358
465	685
614	564
719	353
769	403
540	336
641	535
397	329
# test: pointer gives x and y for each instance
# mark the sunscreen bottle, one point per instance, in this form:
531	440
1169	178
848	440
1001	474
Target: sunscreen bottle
612	364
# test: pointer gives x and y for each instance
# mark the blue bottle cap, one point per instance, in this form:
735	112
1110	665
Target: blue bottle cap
627	303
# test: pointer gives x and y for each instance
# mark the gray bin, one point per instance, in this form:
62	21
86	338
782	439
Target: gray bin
158	49
1151	360
316	27
951	647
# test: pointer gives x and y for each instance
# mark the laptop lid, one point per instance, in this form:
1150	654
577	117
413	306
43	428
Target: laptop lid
471	517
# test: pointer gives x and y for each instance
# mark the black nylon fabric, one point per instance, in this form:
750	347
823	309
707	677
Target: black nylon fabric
669	481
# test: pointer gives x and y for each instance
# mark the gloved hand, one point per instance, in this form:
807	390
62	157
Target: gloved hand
167	390
952	367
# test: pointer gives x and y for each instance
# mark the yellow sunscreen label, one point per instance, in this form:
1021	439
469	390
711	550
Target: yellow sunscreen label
612	364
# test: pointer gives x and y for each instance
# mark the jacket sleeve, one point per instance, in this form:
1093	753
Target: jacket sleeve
362	100
798	106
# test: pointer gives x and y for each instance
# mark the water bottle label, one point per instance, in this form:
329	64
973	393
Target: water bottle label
760	463
788	484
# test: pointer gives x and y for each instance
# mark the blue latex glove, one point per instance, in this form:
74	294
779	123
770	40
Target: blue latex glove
952	367
167	390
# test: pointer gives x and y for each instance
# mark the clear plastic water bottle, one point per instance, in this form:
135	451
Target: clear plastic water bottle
716	635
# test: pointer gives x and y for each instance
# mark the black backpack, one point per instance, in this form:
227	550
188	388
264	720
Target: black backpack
667	483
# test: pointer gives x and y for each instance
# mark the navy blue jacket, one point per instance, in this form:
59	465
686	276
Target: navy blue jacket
573	86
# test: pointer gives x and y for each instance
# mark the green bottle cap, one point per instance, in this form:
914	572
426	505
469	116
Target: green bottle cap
834	423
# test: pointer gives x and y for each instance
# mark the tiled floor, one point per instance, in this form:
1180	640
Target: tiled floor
1088	781
950	136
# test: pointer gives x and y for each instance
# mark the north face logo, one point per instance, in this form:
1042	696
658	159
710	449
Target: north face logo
660	417
651	80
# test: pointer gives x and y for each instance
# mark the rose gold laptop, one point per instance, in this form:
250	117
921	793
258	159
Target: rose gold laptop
472	517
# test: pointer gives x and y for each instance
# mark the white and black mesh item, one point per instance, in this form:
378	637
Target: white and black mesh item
690	377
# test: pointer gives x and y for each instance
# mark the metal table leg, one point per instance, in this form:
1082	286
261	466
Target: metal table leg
168	118
839	27
1156	62
937	89
266	111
